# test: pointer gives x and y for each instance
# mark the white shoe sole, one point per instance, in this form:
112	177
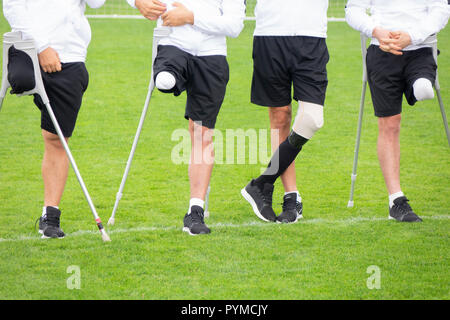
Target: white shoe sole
252	202
187	230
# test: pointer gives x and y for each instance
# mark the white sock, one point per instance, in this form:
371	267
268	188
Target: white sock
394	196
196	202
299	198
165	81
44	210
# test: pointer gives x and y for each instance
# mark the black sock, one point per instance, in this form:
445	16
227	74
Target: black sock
282	159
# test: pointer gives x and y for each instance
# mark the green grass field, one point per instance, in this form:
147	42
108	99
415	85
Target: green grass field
325	256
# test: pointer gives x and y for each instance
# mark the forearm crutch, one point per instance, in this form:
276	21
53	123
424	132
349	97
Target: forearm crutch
360	119
437	87
158	34
27	46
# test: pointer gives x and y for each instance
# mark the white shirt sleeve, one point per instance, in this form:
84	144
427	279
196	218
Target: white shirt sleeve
132	3
357	17
438	14
229	24
94	4
19	18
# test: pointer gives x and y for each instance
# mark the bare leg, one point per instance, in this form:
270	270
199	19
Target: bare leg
389	151
280	119
55	167
202	159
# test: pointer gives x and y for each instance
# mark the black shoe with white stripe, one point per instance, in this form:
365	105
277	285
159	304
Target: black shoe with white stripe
292	209
194	223
402	211
260	198
49	224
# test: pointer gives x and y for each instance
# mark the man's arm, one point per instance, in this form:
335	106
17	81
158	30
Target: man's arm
438	14
150	9
357	17
18	19
94	4
230	23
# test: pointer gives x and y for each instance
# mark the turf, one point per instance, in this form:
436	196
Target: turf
325	256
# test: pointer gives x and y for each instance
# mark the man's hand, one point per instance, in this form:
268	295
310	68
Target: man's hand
178	16
392	41
151	9
49	60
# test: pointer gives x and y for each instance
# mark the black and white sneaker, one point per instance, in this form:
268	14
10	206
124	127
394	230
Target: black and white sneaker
49	224
402	211
260	200
194	223
292	209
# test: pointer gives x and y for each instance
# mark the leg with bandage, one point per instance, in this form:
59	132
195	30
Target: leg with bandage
423	89
308	121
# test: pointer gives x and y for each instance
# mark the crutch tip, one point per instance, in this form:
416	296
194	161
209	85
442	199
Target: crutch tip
111	221
350	204
105	237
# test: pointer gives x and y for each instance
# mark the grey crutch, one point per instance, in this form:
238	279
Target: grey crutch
158	34
27	46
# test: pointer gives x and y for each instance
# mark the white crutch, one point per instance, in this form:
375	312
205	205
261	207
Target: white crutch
27	46
361	111
158	34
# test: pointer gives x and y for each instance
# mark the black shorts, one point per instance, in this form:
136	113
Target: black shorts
282	61
391	76
204	78
64	89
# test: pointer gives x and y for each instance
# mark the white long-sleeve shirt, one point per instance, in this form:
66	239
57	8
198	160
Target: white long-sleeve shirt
59	24
214	20
291	18
420	18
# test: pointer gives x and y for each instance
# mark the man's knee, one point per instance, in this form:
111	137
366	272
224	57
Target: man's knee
423	89
52	140
309	119
389	125
280	117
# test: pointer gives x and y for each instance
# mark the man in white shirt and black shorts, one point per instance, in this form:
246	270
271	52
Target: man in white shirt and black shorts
399	62
289	49
193	59
61	34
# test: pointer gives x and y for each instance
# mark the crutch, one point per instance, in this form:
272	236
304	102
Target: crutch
437	87
27	46
361	113
158	34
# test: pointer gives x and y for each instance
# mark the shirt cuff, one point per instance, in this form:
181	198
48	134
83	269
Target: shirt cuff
132	3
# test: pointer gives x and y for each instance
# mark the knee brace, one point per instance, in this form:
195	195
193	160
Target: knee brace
423	89
165	81
309	119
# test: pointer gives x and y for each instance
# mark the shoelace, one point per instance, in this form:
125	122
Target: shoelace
404	207
197	217
267	197
35	223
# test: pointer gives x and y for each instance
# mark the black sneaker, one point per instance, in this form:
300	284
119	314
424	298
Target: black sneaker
260	200
401	211
49	224
292	209
194	223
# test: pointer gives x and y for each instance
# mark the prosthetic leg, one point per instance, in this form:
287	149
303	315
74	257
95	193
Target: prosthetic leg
27	46
361	111
158	34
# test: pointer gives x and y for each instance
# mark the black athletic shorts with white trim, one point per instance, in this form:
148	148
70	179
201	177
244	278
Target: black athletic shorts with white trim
64	89
280	62
390	76
204	78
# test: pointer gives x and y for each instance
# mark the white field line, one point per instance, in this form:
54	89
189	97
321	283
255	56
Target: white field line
252	224
139	17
